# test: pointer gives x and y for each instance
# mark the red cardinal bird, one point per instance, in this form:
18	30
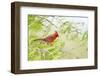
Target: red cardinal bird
50	38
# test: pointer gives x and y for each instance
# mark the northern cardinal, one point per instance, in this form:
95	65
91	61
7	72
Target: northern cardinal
50	38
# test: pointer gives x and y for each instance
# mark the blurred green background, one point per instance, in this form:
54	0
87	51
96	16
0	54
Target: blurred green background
72	42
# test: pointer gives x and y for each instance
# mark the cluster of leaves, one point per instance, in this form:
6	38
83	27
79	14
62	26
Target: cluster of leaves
76	45
39	50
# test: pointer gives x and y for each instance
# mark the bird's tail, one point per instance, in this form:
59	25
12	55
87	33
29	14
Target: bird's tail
37	39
